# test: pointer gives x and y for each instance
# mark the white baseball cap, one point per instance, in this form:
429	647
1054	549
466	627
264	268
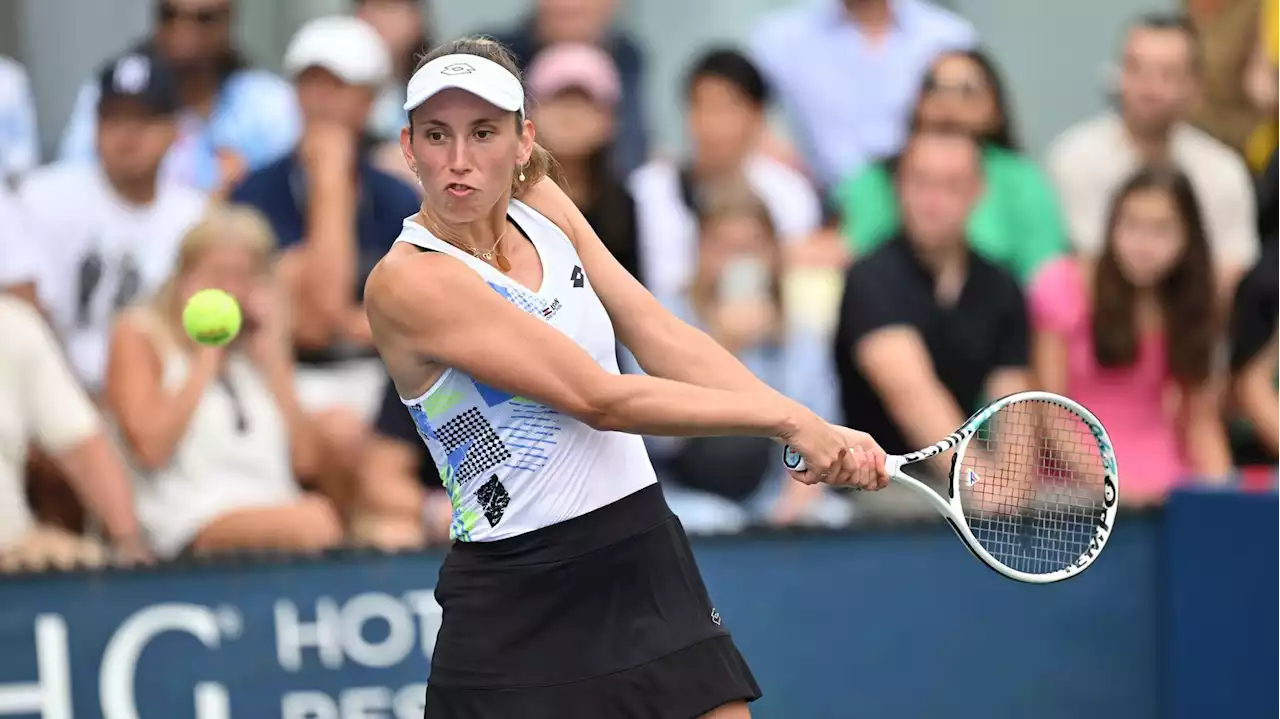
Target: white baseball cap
346	46
479	76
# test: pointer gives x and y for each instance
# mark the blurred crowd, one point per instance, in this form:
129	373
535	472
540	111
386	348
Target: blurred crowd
889	255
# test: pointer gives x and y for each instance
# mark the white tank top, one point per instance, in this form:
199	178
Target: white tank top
512	465
233	455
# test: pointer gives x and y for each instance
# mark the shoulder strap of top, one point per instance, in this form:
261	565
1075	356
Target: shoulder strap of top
528	219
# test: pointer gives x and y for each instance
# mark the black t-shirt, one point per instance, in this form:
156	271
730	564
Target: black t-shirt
394	422
1254	313
612	214
986	329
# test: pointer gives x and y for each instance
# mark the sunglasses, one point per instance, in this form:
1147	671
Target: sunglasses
170	14
966	89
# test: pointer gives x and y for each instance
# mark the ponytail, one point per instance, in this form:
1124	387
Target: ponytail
541	164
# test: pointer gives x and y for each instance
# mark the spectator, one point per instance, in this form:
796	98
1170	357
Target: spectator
41	401
591	21
1268	199
107	233
1254	362
1227	34
404	504
1104	335
1016	224
335	215
217	433
19	143
20	259
402	27
1261	80
233	118
576	89
401	24
859	63
1158	84
727	99
929	330
722	483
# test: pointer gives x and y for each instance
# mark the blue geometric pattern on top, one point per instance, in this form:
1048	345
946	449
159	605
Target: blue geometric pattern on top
422	422
525	300
491	396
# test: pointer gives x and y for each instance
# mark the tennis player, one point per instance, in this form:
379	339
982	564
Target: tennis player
570	591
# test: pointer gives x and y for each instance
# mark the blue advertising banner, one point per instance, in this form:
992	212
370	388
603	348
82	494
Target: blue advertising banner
1223	613
900	623
341	638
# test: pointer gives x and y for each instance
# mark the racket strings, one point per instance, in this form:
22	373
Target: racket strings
1031	484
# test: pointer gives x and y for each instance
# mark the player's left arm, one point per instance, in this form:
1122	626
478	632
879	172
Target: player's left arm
664	345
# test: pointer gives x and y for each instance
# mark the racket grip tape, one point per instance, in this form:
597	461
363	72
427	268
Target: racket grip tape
794	462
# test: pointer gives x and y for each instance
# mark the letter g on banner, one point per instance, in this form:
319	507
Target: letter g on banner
120	660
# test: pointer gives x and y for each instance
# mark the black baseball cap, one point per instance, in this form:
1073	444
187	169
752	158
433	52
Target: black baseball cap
141	77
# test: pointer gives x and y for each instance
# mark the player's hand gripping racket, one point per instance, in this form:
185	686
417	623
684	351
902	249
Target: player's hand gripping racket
1033	485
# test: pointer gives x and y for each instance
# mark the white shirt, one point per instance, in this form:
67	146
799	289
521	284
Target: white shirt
667	229
19	141
512	465
18	257
40	400
95	253
849	98
1091	161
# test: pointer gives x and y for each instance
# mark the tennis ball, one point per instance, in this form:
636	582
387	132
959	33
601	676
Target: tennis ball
211	317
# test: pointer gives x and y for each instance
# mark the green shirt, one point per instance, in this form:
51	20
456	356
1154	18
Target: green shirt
1016	224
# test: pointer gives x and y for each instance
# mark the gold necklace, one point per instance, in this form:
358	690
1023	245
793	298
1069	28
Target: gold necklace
503	264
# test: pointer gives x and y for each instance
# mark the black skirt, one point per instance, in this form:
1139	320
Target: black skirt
603	616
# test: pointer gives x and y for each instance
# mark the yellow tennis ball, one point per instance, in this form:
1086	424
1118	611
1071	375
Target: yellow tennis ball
211	317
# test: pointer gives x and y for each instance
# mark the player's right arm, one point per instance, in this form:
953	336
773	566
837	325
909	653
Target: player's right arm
432	308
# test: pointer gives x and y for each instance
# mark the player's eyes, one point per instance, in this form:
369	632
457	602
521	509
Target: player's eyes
484	134
435	136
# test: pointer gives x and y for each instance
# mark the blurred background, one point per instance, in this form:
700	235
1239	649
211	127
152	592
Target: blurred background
890	210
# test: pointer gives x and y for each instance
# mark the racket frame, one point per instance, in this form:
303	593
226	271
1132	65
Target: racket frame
950	507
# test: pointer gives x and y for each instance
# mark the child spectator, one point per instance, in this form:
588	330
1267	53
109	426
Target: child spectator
1132	336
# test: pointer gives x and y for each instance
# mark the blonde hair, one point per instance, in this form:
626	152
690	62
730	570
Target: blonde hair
223	225
541	164
731	200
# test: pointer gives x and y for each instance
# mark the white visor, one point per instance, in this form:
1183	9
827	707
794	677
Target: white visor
483	78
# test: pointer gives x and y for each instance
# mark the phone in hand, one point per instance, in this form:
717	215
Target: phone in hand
743	278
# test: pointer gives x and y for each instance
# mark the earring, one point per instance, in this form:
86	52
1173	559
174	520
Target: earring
521	177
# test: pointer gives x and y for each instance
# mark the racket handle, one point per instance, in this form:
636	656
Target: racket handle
794	462
792	459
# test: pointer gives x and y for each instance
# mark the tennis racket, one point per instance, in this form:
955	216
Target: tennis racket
1033	485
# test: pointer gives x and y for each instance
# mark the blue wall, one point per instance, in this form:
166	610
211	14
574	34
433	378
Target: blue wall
900	623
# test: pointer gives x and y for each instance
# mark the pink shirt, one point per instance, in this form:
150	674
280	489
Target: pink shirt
1130	401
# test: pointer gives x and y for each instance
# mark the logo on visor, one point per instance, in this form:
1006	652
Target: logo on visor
457	68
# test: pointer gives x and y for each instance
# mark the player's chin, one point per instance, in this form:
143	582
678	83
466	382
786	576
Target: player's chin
462	209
